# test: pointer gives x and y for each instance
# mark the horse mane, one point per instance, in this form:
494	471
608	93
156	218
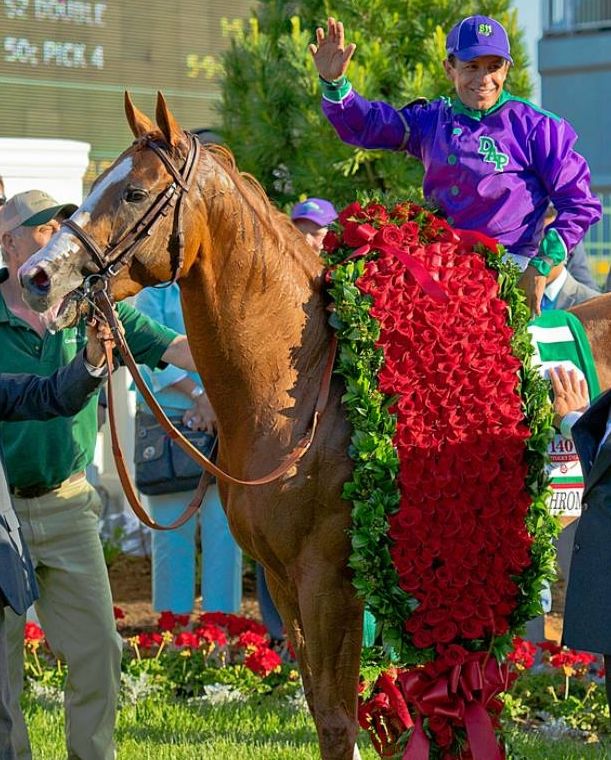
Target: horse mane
226	158
286	236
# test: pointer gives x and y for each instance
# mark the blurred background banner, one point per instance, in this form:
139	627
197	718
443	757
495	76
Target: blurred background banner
65	65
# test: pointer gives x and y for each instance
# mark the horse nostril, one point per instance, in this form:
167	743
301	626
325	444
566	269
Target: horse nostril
39	281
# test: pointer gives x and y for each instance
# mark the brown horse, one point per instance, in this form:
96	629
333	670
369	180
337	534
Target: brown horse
595	315
257	326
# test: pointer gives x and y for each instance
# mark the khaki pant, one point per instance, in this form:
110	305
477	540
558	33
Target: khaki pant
75	611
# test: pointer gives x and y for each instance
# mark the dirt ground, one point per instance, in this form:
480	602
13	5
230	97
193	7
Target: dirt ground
130	580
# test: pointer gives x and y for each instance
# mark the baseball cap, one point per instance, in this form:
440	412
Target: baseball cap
317	210
31	208
475	36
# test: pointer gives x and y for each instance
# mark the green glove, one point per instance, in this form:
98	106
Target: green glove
552	251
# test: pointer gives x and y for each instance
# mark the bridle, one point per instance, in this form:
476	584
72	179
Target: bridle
119	253
95	291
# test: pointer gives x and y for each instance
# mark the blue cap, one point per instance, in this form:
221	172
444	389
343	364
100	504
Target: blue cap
475	36
317	210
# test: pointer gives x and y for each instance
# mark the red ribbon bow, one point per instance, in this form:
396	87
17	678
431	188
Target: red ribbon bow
368	238
460	694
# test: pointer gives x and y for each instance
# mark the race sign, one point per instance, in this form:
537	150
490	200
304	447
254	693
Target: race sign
566	478
559	341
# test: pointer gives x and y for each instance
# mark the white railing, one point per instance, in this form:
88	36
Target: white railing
561	16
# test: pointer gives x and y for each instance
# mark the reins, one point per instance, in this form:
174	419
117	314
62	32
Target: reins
104	305
109	261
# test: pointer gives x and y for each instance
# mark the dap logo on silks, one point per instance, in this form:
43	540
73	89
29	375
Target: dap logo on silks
491	154
484	29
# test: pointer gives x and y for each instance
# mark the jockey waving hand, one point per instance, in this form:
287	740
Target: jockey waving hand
492	162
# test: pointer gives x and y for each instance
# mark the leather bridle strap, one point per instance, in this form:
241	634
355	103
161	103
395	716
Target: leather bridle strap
119	253
105	306
124	476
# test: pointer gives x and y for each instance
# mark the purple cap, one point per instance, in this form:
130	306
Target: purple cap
475	36
317	210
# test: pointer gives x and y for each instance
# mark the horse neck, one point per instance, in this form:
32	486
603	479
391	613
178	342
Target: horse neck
595	315
256	321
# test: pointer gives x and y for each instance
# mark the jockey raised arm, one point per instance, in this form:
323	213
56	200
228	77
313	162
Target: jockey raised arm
492	162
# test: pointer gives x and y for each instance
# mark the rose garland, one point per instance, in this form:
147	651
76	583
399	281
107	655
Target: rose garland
451	536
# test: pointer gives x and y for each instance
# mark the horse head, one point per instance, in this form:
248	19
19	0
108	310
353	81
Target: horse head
131	230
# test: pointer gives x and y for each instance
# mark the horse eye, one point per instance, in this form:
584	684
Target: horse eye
135	195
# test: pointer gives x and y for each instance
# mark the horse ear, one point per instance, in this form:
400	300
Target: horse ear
167	123
138	122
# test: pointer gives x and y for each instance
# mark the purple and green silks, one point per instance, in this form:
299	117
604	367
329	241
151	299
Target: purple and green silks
494	171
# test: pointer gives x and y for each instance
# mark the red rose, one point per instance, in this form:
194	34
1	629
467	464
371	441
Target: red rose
388	236
331	242
376	212
423	639
436	616
472	628
118	613
351	212
410	232
445	632
454	654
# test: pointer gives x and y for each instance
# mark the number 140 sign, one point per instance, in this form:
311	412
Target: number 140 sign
566	478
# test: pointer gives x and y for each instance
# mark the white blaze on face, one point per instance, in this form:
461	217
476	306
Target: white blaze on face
83	214
64	243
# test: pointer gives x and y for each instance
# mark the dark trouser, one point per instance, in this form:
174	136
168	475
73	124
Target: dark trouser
269	613
7	751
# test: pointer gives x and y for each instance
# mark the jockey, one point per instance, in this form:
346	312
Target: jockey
492	161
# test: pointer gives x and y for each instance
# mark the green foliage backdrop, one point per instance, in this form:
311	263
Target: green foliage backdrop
270	109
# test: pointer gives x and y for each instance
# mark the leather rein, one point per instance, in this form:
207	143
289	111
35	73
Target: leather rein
96	291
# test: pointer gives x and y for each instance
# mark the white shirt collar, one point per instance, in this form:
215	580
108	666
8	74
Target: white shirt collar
552	290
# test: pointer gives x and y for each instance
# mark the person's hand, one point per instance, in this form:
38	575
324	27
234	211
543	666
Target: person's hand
201	416
97	334
533	284
570	392
330	56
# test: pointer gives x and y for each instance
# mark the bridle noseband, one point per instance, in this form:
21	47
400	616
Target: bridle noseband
118	254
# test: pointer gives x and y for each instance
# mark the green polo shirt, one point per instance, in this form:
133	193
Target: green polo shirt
46	453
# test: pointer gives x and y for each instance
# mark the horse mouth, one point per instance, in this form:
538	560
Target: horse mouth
66	313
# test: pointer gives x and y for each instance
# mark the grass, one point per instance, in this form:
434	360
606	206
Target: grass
154	729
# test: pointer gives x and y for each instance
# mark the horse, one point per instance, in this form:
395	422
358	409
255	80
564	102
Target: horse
595	316
254	308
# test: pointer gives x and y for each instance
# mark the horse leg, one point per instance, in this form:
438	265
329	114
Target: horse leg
289	611
332	619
